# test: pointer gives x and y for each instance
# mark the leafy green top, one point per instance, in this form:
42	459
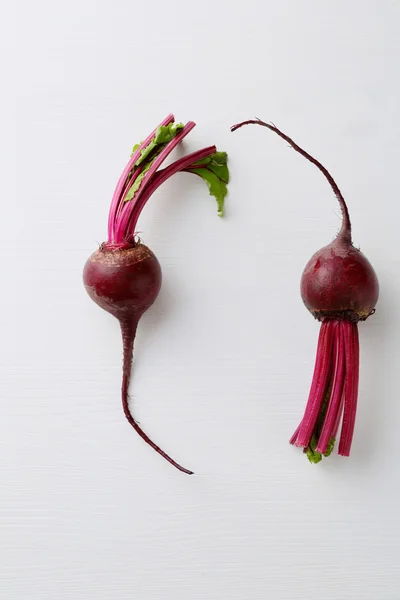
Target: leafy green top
214	171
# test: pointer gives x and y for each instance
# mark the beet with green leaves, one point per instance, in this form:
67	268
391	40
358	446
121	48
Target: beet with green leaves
124	276
340	288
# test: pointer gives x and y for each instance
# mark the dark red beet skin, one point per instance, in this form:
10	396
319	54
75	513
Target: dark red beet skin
339	281
123	282
340	288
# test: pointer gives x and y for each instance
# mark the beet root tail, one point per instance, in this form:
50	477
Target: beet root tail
128	330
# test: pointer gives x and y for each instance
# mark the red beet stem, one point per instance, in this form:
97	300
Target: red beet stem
335	402
352	351
338	417
115	204
336	378
129	207
128	330
294	436
345	230
319	383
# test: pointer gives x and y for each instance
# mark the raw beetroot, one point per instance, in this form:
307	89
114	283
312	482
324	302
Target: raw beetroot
340	288
124	276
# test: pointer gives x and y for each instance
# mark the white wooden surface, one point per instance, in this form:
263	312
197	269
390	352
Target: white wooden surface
224	358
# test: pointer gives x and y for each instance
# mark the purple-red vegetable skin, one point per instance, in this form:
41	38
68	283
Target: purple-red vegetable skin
124	276
340	288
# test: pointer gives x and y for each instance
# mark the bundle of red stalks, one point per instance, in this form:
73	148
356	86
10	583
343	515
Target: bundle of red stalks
340	288
123	276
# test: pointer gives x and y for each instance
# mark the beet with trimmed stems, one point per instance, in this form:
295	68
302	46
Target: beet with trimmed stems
124	276
340	288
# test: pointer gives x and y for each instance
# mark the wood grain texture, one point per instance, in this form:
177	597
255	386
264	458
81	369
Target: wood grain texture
225	356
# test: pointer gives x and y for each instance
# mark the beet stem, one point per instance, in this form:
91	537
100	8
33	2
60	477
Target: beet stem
116	200
339	415
319	384
128	330
129	210
345	230
294	436
351	387
334	404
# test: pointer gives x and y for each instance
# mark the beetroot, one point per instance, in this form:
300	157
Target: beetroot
124	276
340	288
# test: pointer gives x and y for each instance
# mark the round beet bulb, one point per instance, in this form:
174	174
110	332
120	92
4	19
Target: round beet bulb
339	282
123	276
340	288
125	282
